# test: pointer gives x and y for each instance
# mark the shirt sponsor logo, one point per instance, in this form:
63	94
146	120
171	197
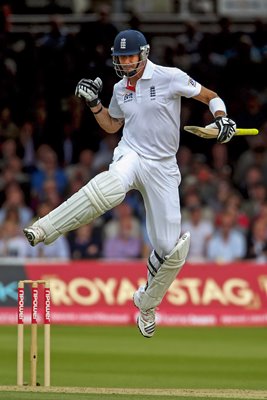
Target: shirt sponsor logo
192	82
128	97
123	43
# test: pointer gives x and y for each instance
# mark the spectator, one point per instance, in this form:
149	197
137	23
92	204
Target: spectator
104	155
257	241
82	170
227	244
13	173
15	199
41	126
101	33
59	250
8	128
184	159
190	40
234	205
9	149
223	190
75	185
47	169
251	167
224	40
26	142
263	211
201	230
124	244
85	242
12	243
243	52
220	162
51	194
259	35
253	112
192	200
253	176
123	210
55	39
14	165
257	193
70	141
206	178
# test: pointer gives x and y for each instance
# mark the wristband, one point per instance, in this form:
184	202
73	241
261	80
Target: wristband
97	112
217	104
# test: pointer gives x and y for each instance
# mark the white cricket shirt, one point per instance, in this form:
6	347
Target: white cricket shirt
152	111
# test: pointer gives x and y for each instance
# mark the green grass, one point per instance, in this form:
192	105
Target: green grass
232	358
60	396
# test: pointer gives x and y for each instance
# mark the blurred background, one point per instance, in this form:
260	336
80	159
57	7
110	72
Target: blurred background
50	145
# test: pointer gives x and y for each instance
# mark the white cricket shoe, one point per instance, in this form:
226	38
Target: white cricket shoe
34	235
146	319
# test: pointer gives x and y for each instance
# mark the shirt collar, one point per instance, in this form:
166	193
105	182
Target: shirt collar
148	71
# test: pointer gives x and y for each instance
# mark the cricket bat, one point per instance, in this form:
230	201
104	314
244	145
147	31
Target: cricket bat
211	133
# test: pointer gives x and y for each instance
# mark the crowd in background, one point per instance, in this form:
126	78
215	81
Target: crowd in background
50	144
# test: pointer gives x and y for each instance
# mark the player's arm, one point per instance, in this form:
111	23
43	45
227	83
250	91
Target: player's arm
104	119
225	125
206	95
89	90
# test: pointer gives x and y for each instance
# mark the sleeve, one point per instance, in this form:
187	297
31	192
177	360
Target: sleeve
114	109
183	85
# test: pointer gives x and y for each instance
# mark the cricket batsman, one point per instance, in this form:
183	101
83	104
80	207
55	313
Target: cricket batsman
146	101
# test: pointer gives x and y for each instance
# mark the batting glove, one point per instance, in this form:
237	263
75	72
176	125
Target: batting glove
226	128
89	91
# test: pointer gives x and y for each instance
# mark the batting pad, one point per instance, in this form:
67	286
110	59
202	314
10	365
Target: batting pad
166	274
102	193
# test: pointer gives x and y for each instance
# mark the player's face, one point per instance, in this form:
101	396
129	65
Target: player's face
129	63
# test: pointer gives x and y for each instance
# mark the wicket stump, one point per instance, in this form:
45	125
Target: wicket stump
34	325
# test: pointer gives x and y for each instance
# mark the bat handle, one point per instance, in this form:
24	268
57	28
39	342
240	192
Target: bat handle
246	131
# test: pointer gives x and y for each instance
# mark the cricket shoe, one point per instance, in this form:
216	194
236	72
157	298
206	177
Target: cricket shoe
146	319
34	235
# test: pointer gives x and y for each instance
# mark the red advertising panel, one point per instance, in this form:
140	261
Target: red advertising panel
100	292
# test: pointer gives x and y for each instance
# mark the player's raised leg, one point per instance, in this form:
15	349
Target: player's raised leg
102	193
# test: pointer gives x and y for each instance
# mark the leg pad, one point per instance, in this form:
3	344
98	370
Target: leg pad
102	193
166	274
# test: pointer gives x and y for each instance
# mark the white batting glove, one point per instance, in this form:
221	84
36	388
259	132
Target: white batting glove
89	90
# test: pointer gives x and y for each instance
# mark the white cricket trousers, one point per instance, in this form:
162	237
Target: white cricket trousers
158	182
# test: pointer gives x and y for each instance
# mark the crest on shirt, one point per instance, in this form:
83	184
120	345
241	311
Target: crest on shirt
123	43
192	82
152	92
128	97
